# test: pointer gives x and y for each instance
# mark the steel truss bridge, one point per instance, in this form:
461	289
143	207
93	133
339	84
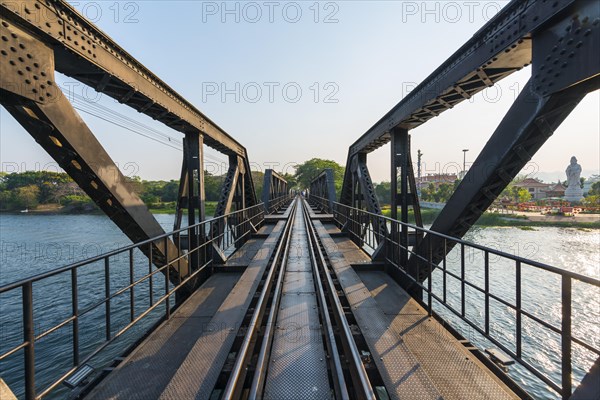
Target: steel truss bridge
287	297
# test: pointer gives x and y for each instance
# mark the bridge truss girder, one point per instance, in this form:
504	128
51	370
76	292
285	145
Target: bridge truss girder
55	125
39	37
274	188
560	40
323	187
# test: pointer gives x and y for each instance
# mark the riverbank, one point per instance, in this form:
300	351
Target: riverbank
57	209
523	220
520	220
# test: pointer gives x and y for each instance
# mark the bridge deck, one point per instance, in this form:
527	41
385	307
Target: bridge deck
184	356
416	357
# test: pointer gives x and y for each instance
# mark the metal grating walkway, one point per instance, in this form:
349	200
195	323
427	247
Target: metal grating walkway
298	367
416	356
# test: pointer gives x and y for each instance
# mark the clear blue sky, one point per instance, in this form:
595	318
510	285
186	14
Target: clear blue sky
366	57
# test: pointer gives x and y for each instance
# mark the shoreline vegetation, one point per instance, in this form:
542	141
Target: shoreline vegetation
57	209
524	222
488	219
55	193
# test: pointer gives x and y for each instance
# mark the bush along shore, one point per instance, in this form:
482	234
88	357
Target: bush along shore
493	219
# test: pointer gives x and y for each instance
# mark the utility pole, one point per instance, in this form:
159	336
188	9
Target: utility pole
419	154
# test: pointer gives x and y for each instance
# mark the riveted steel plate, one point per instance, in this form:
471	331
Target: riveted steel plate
402	374
456	373
198	373
399	333
298	365
146	372
298	282
27	65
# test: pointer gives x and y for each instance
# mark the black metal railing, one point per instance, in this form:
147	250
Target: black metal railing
361	226
221	233
280	202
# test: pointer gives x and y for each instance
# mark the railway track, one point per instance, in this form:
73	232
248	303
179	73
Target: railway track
298	342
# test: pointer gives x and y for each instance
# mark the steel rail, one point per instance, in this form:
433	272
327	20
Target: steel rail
339	381
235	382
264	353
364	389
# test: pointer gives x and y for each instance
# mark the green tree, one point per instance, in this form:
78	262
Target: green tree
170	191
592	201
383	192
309	170
6	200
523	195
258	178
594	189
26	197
291	181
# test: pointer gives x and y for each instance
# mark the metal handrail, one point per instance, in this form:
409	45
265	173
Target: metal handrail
363	387
354	221
574	275
277	203
252	219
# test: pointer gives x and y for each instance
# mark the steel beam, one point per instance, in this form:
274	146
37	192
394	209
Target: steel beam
541	107
274	187
87	54
27	79
500	48
323	186
529	123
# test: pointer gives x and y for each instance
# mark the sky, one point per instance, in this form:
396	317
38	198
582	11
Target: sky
297	80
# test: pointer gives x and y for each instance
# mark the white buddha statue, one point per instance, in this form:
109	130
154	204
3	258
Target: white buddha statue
574	191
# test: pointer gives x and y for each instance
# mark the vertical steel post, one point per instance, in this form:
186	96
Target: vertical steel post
106	296
75	313
445	271
196	193
131	291
487	292
462	279
150	276
518	306
167	272
29	338
399	163
566	337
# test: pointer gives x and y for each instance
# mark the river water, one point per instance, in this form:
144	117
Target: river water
32	244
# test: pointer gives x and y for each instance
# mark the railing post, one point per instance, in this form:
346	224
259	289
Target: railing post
131	292
566	337
75	312
150	277
518	307
106	296
429	279
444	267
462	279
167	272
29	337
487	292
